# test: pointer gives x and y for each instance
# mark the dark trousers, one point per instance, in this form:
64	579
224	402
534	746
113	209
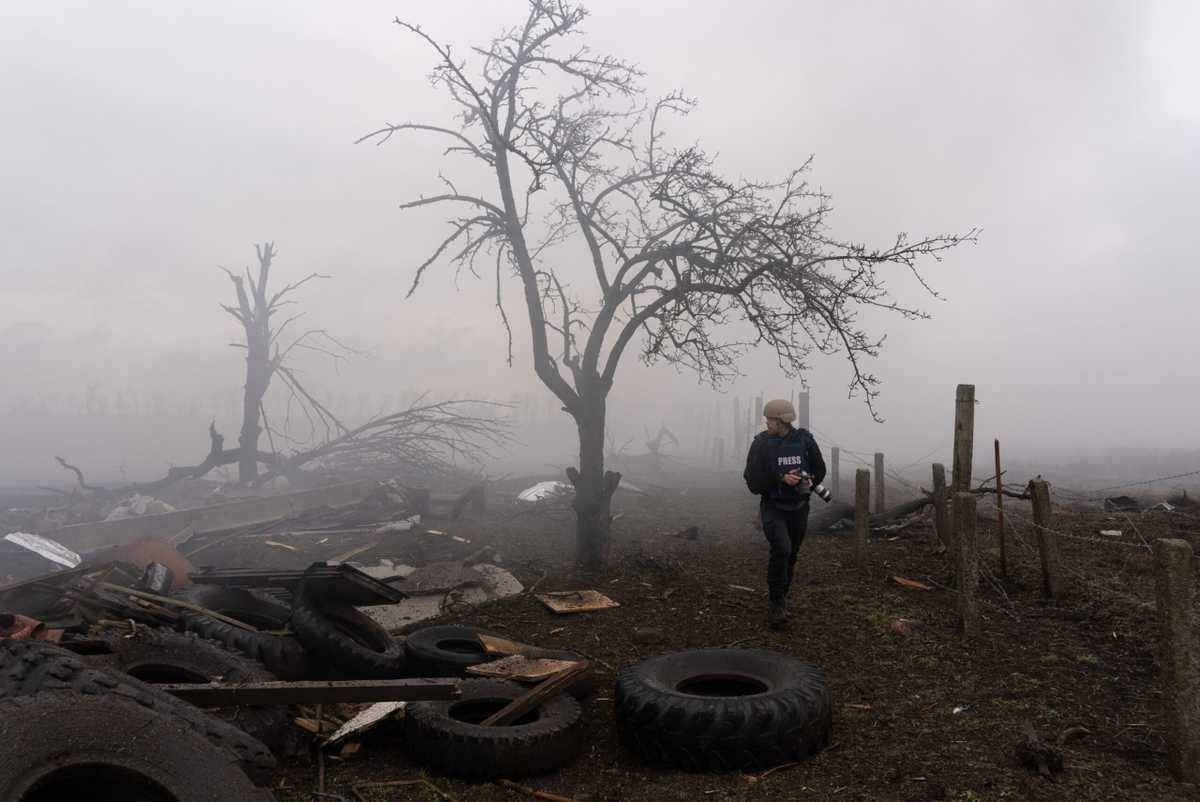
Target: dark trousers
784	530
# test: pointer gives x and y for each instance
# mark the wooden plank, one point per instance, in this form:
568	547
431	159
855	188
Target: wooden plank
519	668
576	601
297	693
532	698
343	582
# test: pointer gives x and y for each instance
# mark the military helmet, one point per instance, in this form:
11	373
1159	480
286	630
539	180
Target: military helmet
780	408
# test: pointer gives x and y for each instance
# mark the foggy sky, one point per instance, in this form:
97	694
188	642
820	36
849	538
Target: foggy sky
147	143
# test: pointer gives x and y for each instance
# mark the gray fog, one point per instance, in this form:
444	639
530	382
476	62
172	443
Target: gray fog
146	144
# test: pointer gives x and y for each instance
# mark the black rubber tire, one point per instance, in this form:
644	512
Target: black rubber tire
61	745
455	746
283	656
158	656
36	667
340	637
759	709
447	650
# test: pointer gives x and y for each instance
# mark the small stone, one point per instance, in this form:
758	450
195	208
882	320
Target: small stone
903	626
648	635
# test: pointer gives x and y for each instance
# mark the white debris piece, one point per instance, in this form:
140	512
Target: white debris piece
137	505
365	720
544	490
399	526
489	582
1111	532
52	550
1165	506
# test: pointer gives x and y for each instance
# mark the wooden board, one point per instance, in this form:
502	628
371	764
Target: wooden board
576	601
495	645
521	669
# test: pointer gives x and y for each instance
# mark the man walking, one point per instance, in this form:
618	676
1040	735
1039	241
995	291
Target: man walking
783	464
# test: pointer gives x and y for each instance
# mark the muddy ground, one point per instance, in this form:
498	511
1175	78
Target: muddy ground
922	716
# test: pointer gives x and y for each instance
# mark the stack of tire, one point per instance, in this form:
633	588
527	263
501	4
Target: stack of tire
447	736
332	639
71	731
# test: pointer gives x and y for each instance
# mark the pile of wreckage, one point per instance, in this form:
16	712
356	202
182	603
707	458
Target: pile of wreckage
127	667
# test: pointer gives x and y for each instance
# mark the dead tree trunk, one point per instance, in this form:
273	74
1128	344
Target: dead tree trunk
594	486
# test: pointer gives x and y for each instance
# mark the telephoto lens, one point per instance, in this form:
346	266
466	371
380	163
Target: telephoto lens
825	495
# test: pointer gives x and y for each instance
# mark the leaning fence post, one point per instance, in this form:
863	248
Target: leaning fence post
941	515
1175	576
879	482
967	558
862	518
1039	489
835	471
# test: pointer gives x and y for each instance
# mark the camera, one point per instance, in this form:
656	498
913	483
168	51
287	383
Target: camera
819	490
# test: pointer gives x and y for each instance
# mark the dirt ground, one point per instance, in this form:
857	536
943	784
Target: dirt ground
922	716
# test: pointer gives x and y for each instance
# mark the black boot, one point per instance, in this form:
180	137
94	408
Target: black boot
777	618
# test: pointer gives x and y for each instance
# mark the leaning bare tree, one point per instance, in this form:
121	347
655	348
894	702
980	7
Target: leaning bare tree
675	251
428	439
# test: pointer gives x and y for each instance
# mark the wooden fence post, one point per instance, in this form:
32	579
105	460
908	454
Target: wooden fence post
835	472
964	437
737	423
879	482
720	452
968	563
1000	517
941	514
1047	540
755	415
1175	577
862	518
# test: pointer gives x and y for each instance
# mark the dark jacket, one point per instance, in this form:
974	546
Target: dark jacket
771	457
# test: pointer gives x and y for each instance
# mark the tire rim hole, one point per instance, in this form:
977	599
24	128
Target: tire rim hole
721	685
83	781
166	674
461	646
474	711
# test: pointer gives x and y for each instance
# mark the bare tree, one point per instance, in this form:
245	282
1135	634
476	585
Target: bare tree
267	351
675	251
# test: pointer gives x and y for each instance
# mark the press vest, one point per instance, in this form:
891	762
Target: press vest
788	454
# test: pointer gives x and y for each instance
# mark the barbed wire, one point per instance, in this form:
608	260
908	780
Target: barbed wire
1082	495
1144	546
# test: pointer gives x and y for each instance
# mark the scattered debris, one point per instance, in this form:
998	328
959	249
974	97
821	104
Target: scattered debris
545	490
1111	532
369	718
519	668
138	505
742	587
1121	504
52	550
277	545
903	626
1162	506
576	601
911	583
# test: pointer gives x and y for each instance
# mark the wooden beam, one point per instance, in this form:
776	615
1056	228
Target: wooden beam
298	693
547	689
